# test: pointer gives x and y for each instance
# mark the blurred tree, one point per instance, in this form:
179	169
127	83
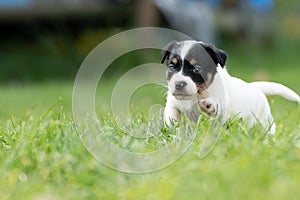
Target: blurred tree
146	13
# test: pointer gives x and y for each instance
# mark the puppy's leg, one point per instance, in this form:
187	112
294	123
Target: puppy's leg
273	129
208	106
171	115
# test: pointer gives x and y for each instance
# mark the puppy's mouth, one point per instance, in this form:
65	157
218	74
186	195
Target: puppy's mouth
182	96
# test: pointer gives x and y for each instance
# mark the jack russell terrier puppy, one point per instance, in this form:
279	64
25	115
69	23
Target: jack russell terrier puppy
197	78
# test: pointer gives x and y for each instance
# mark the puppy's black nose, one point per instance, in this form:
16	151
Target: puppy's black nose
179	85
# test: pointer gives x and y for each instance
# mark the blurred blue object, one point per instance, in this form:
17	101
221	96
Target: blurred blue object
213	2
261	5
193	17
14	3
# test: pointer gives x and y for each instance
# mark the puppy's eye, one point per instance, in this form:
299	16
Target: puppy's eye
171	67
196	70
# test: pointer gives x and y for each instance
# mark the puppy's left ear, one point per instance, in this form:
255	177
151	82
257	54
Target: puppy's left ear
219	56
166	51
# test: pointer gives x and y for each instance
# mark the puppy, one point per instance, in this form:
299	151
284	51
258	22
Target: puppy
197	78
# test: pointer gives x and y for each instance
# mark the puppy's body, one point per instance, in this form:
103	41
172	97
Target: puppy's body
244	101
216	92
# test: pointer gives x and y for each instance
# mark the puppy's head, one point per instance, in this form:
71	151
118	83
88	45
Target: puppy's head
192	66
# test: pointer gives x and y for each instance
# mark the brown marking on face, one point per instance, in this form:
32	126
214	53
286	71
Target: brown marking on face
193	61
209	78
175	60
203	86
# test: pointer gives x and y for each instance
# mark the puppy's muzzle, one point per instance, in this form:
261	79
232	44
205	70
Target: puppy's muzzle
180	85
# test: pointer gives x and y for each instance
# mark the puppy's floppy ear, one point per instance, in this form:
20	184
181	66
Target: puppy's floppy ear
166	51
219	56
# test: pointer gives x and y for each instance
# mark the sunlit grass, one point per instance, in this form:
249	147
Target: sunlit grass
42	157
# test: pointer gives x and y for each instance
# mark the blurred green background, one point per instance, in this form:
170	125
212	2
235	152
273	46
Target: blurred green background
44	43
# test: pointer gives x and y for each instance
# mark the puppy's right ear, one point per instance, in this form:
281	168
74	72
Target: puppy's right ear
166	51
219	56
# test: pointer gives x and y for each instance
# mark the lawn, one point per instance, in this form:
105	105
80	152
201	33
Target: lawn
42	157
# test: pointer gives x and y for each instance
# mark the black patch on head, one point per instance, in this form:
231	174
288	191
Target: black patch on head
197	73
166	51
169	52
202	65
219	56
173	67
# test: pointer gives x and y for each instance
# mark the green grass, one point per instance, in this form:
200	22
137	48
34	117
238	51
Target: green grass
42	157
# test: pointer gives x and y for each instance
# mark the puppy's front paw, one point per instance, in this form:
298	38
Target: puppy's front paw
207	107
